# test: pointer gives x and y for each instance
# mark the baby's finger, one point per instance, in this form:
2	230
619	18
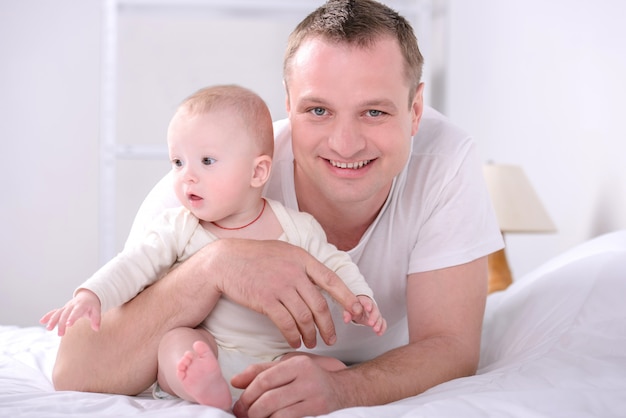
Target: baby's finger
95	320
378	324
74	315
382	327
46	318
64	321
53	320
347	317
368	305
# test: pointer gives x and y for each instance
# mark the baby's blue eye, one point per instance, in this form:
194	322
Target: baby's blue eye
177	163
208	161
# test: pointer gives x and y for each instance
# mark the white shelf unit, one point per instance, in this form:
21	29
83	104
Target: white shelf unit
419	12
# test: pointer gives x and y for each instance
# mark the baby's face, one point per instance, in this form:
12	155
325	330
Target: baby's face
212	159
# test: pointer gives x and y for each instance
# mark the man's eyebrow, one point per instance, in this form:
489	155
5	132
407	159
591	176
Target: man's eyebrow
379	102
311	99
373	103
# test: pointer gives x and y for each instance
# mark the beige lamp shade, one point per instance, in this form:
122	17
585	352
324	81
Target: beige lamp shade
515	202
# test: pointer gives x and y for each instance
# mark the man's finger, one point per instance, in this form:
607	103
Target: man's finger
262	388
250	395
283	318
337	289
243	379
320	319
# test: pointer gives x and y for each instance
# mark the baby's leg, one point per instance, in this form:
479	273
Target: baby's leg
188	368
327	363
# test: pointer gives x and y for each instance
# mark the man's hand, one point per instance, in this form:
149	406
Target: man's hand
281	281
445	309
293	387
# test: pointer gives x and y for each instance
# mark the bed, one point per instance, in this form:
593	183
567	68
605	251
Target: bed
554	345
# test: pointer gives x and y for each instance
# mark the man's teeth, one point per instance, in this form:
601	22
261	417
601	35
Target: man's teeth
354	165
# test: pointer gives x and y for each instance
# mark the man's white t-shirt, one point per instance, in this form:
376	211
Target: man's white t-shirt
438	215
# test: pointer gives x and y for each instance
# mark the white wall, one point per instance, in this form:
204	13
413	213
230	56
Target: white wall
537	83
541	84
49	81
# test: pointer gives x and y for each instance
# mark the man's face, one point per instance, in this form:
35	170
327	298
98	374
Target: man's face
350	117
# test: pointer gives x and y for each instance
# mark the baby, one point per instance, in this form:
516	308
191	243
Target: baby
220	144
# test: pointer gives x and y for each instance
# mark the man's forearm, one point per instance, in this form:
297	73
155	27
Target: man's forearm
406	371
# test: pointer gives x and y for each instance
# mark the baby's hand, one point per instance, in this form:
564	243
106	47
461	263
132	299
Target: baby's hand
84	304
370	316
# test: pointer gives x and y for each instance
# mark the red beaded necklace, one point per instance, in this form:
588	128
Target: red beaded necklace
246	225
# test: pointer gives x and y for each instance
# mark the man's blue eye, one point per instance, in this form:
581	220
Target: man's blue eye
319	111
208	161
375	112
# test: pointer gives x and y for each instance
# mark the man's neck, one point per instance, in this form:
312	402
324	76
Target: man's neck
344	223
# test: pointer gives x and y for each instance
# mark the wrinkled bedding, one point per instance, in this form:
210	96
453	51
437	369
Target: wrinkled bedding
553	345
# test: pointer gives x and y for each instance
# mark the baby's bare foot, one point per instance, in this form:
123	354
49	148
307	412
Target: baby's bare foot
200	375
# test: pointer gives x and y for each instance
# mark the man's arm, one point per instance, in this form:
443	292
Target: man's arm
445	309
271	277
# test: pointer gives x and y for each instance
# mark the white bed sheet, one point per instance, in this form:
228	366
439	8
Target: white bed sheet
554	345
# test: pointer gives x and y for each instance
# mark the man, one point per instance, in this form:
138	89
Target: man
391	182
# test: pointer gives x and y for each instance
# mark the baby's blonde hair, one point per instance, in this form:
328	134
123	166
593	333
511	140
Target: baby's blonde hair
248	105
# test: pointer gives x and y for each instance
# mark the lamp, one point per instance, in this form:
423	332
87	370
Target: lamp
518	209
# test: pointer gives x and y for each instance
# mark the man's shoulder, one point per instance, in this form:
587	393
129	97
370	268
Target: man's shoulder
438	134
434	122
282	140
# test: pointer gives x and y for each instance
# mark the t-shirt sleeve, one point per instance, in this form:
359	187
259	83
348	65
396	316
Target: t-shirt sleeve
462	225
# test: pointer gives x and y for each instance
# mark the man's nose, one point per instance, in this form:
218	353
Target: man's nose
346	138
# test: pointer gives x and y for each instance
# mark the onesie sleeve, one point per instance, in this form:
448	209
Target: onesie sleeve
143	263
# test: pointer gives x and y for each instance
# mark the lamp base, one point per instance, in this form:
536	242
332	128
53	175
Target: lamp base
499	273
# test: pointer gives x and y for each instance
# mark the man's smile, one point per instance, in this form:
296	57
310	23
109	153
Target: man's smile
353	165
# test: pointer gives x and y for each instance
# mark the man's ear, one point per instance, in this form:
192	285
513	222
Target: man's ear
417	107
261	170
287	103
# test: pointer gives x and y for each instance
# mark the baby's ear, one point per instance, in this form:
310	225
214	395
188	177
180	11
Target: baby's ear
261	170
